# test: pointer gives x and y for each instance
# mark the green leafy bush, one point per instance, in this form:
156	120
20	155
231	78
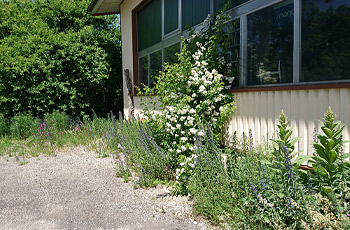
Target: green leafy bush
190	93
237	188
329	159
56	56
331	169
4	125
57	121
22	126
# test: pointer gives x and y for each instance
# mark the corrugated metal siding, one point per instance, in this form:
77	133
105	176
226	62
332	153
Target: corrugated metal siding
259	111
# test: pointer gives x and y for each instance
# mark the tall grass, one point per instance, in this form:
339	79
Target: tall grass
23	134
22	126
244	189
140	153
4	128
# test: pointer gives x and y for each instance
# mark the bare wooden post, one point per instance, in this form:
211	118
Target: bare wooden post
130	93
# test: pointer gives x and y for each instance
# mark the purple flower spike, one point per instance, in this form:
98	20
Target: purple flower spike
348	215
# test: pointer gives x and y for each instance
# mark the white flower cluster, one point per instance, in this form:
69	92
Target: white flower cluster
194	96
186	168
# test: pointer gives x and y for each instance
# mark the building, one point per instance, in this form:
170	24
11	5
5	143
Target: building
291	54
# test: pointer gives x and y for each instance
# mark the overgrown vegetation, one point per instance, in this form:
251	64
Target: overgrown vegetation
239	187
262	191
243	187
56	56
190	93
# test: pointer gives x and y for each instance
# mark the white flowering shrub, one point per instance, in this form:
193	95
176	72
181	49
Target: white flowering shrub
190	94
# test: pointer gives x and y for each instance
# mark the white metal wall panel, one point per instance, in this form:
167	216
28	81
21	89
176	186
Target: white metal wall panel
127	51
305	108
259	110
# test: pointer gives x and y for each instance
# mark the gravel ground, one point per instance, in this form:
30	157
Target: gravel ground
76	190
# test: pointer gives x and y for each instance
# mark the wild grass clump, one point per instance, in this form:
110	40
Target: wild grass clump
99	125
240	188
4	126
57	121
22	126
23	134
140	153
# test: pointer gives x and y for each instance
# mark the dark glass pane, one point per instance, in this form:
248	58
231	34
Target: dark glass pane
170	52
200	11
194	12
219	4
171	15
270	45
143	71
325	40
186	13
232	31
149	24
155	66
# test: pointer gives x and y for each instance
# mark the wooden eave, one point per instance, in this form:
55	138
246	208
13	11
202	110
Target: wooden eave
104	7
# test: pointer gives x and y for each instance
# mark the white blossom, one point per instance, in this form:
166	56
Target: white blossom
201	88
193	130
183	139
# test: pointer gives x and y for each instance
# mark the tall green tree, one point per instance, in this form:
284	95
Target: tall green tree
55	55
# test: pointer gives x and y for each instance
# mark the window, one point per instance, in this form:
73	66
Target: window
270	45
325	40
171	15
232	29
219	4
194	12
158	35
149	25
169	52
151	65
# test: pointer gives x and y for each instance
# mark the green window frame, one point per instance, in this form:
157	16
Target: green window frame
283	48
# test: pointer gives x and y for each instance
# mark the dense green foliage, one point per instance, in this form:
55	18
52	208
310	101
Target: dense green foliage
22	126
242	191
329	159
140	153
190	94
54	55
243	187
4	129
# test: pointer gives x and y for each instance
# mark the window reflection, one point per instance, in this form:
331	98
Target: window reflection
232	30
171	15
270	45
325	44
155	67
170	52
143	71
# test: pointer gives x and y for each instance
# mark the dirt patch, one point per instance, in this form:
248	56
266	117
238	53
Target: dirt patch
76	190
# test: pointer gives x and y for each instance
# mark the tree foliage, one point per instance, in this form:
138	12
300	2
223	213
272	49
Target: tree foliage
55	55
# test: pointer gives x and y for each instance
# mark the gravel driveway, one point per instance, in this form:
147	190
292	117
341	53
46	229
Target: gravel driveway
76	190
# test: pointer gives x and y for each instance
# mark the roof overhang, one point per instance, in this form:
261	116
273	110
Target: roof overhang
104	7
